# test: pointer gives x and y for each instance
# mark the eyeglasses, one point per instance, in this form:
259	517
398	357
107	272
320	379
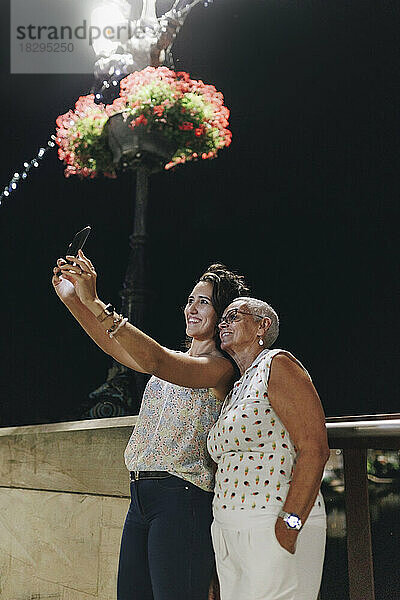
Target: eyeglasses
231	316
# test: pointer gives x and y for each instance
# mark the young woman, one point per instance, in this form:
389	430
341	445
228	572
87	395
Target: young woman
166	551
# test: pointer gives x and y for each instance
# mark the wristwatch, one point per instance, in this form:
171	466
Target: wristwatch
108	311
292	520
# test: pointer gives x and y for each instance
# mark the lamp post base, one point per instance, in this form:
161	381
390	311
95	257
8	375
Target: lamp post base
119	395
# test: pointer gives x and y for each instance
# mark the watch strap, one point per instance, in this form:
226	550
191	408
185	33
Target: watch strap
108	311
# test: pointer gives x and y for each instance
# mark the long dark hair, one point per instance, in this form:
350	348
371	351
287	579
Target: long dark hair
227	286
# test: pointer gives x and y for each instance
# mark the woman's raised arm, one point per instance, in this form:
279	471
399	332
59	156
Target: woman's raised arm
148	356
65	290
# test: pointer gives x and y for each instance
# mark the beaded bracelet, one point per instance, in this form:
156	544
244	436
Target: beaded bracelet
116	321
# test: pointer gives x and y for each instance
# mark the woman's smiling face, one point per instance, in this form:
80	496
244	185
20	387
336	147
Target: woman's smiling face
239	330
201	318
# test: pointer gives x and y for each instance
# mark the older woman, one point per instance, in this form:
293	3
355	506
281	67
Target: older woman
270	445
166	551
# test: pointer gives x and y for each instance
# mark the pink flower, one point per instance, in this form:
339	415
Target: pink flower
158	110
183	75
206	155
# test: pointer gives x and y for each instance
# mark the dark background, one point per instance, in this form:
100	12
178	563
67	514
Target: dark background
304	202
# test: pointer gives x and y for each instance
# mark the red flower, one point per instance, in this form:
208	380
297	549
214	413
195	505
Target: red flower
186	126
198	131
158	110
141	120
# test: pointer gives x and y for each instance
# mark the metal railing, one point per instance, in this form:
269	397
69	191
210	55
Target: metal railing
354	436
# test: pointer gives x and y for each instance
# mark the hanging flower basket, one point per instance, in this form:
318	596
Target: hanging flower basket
172	119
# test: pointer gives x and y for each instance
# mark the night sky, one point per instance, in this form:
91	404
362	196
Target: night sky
304	203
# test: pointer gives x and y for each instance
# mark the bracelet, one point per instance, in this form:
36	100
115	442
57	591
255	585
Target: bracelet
116	321
108	311
120	324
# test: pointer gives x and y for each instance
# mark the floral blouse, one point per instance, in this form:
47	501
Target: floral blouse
171	432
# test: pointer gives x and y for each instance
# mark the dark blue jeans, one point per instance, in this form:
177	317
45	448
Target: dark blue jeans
166	548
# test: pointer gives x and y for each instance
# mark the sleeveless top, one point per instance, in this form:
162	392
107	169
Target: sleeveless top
171	432
252	448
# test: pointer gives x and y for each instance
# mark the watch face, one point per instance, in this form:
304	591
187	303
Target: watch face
292	521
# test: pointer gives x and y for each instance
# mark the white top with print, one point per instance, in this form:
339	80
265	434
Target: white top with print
171	432
252	448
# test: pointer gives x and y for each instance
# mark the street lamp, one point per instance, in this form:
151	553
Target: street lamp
133	37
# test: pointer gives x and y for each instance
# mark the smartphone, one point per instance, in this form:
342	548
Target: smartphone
78	241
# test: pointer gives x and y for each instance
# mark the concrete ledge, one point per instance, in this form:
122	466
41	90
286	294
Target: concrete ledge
70	426
86	461
64	493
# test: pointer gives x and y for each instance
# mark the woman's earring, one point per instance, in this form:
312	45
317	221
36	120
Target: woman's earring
261	342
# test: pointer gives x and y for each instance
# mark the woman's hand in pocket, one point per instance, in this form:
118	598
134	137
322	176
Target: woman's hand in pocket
286	537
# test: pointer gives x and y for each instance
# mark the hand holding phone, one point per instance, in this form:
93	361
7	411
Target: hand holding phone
78	241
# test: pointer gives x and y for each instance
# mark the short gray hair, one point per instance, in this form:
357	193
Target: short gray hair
259	307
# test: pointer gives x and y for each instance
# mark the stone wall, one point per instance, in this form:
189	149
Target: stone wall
64	493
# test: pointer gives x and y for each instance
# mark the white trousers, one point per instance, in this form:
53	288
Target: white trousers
252	565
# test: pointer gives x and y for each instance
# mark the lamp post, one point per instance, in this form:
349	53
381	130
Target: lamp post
146	41
135	292
122	390
146	153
